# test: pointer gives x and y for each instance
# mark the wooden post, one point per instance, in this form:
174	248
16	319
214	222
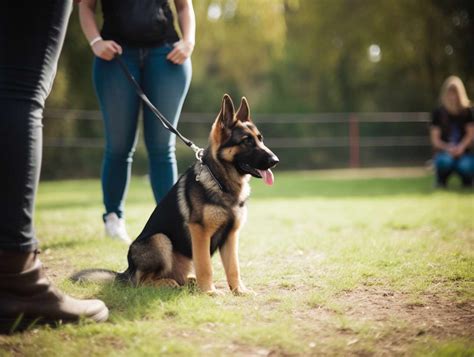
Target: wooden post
354	147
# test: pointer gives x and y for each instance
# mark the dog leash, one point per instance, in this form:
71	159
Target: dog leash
198	152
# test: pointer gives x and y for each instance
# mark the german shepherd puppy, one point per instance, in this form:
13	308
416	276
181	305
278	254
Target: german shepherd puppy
204	211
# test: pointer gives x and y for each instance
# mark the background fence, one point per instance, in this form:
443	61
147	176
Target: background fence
74	140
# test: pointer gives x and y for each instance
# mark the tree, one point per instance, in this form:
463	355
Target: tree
327	66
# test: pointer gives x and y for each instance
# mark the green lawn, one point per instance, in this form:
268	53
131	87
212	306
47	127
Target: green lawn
344	263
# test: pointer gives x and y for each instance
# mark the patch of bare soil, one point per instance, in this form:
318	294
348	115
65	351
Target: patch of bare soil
429	316
238	349
393	321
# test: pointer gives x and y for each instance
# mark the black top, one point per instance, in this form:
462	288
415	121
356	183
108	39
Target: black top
138	23
453	127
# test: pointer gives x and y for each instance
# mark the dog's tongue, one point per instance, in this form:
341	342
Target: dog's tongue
267	176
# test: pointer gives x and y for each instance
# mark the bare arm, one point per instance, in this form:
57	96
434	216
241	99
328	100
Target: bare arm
103	49
187	24
87	19
187	20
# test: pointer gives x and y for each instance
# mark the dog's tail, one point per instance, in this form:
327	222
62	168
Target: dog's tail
98	276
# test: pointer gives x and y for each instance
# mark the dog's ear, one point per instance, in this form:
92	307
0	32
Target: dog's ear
243	113
226	117
221	129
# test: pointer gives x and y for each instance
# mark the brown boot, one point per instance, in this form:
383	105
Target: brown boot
27	297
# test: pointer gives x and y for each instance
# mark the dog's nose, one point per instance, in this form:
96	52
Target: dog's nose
273	160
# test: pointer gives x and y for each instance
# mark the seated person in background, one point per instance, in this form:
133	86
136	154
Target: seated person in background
452	134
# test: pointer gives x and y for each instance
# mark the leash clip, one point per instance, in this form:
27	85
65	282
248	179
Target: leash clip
198	152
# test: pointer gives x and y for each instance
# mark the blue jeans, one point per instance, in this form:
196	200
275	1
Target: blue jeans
31	37
445	165
166	85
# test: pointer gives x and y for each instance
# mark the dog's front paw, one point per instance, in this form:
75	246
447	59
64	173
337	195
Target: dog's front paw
211	291
241	290
215	292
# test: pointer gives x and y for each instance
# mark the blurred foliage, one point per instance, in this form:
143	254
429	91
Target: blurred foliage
309	55
300	56
327	66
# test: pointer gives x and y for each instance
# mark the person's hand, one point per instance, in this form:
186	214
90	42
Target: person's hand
456	151
106	49
182	50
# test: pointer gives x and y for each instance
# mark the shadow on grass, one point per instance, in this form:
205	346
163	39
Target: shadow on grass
73	243
68	204
81	203
132	303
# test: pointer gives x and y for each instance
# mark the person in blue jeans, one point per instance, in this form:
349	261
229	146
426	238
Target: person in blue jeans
142	31
452	134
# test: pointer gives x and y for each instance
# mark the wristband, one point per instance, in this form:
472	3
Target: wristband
95	40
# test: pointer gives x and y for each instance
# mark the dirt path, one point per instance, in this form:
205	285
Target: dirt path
381	322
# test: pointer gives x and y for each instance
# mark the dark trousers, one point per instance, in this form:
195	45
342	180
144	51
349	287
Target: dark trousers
445	165
31	37
166	84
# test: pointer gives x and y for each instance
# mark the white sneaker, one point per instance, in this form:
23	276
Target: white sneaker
115	228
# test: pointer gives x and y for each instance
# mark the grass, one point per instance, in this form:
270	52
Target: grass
344	263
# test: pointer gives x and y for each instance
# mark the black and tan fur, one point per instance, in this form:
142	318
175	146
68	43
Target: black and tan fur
197	217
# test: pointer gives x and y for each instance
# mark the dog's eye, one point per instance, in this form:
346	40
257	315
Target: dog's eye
260	137
247	140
